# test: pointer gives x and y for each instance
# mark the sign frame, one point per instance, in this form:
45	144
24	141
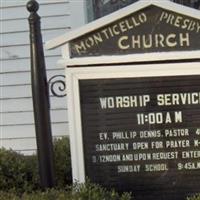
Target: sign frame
73	75
151	64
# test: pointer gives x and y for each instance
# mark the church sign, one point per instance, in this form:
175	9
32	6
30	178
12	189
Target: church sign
151	29
133	89
143	134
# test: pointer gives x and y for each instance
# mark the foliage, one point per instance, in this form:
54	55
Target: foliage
86	191
37	195
19	173
195	197
91	191
8	196
62	162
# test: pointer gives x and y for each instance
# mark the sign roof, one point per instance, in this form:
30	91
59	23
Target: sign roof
122	13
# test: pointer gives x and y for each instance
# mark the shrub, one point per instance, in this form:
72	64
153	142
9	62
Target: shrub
37	195
62	162
47	195
86	191
19	173
8	196
90	191
195	197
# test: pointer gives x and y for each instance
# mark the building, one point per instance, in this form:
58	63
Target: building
17	124
57	16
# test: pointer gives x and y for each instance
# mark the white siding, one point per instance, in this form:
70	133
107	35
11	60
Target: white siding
17	129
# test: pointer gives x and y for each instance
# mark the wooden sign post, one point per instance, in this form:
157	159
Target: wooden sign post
133	81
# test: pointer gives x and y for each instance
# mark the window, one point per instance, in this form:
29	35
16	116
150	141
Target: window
100	8
190	3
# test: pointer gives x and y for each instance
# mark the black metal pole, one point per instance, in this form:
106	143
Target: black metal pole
40	99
